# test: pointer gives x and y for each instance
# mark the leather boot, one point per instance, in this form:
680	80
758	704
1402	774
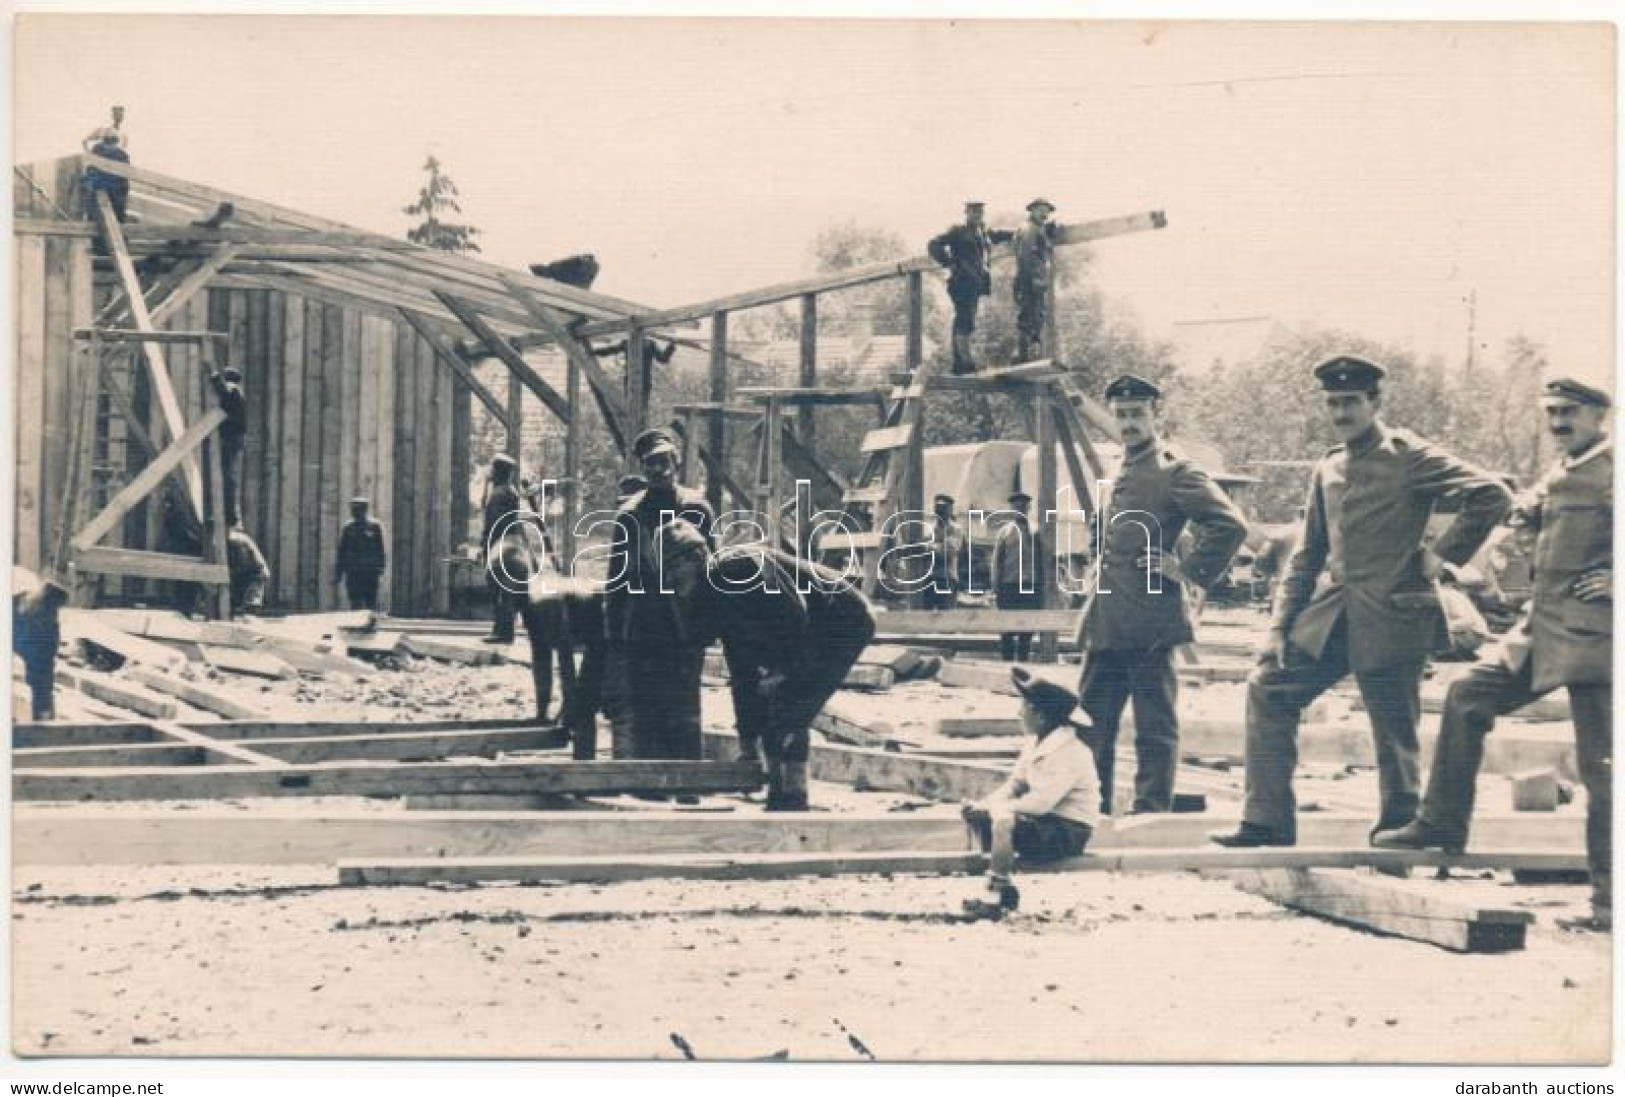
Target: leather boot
1253	835
1420	834
794	785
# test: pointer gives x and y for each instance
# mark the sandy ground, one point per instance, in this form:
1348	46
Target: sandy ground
1097	968
256	961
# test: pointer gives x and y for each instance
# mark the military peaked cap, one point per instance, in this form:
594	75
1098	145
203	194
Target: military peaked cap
1346	373
651	442
1130	387
1569	390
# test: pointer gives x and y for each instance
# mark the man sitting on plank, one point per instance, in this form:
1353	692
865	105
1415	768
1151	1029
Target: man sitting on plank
1051	803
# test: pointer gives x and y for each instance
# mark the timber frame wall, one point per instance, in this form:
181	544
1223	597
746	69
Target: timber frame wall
340	403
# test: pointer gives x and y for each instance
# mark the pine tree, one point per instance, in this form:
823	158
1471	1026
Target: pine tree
438	197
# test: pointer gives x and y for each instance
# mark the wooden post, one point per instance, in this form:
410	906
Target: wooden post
516	415
1044	557
637	384
773	423
570	494
805	423
913	356
1052	337
215	544
716	437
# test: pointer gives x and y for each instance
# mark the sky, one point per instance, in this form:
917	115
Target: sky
1363	176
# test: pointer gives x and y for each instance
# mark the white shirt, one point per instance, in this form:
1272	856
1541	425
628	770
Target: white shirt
1057	777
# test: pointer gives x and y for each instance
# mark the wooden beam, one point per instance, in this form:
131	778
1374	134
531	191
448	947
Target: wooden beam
148	479
102	560
193	283
770	866
157	371
163	338
296	834
449	357
1044	564
922	623
716	426
222	782
188	737
806	397
890	268
1392	907
581	357
192	693
808	374
237	234
510	357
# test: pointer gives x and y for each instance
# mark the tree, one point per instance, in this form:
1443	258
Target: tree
438	197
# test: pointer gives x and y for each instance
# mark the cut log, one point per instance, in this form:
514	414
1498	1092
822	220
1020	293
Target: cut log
257	664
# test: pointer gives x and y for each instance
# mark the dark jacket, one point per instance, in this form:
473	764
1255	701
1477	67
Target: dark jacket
1034	247
1157	494
235	405
640	618
1572	642
361	547
1367	510
966	252
500	501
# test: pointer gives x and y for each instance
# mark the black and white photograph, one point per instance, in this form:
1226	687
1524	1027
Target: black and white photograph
802	540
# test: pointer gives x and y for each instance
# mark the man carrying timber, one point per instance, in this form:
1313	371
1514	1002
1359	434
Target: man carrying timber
362	556
1566	639
1359	596
1141	608
790	631
966	251
645	626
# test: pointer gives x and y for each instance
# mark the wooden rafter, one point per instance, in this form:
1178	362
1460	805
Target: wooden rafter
148	479
159	372
609	401
448	354
482	330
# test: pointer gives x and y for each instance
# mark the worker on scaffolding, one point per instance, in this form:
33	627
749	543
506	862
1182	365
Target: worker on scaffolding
966	251
790	632
1034	247
108	143
228	387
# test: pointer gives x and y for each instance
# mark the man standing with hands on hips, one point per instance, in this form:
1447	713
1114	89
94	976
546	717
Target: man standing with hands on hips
1359	596
1566	638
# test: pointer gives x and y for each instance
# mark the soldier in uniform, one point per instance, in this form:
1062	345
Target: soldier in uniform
502	502
1015	571
1359	596
662	659
228	387
947	540
1034	245
617	701
966	251
36	634
362	557
248	570
1138	612
790	631
1565	639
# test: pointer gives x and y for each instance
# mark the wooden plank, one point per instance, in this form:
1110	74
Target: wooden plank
403	418
32	413
290	370
314	395
256	664
384	497
101	560
413	746
148	479
982	621
807	375
469	654
716	425
930	778
65	367
229	750
296	834
85	626
887	438
770	866
335	349
350	441
441	542
136	754
1388	907
382	779
978	727
192	693
801	397
420	558
269	472
521	369
105	688
158	372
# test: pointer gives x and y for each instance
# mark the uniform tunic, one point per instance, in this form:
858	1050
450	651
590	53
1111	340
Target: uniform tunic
1034	247
645	625
1561	641
362	559
1354	599
1134	619
1015	582
966	251
776	614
